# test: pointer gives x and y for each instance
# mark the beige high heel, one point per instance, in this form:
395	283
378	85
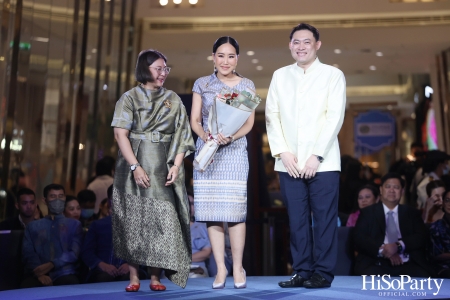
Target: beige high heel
242	285
221	285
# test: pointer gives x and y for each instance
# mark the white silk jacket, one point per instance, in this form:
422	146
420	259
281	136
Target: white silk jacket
304	113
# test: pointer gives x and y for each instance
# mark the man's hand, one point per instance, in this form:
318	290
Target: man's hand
311	165
290	163
124	269
43	269
45	280
389	250
110	269
396	260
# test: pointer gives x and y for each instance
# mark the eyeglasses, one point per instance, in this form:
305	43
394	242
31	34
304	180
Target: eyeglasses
160	70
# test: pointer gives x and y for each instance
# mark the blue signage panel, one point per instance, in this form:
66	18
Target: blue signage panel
374	130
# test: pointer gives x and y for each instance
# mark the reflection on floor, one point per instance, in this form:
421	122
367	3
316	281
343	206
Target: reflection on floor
343	287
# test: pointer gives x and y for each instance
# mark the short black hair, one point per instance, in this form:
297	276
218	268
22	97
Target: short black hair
53	186
304	26
375	191
25	191
70	198
85	196
432	160
145	59
105	166
224	40
392	175
434	184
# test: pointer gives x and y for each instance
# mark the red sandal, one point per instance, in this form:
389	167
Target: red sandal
157	287
133	287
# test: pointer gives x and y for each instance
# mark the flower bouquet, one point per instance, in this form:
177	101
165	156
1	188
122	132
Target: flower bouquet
227	115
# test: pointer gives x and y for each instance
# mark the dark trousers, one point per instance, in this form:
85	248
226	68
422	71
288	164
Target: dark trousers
314	249
100	276
31	282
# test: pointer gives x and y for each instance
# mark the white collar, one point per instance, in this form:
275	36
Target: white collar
386	209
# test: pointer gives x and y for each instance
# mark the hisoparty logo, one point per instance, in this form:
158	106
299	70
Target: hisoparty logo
404	284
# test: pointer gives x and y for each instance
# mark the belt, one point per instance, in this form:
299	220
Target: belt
154	136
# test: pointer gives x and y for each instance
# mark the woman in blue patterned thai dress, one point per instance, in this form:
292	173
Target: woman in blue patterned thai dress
221	190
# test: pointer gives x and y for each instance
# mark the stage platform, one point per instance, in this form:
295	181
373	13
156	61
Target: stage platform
262	287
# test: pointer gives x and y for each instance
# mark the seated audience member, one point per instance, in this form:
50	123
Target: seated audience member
98	255
72	208
391	238
440	240
104	170
86	198
367	195
201	247
104	209
433	206
51	245
435	166
27	206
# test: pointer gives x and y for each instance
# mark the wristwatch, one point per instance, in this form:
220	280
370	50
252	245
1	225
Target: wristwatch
134	167
399	247
320	158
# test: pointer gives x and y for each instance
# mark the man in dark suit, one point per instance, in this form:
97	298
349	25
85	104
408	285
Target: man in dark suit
390	238
27	206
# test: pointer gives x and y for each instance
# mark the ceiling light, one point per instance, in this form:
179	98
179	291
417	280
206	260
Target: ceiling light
373	68
209	58
40	39
379	54
259	68
255	61
2	58
337	51
163	2
94	50
250	53
193	2
177	1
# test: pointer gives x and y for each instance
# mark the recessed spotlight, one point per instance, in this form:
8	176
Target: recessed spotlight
337	51
94	50
373	68
177	1
250	53
413	116
255	61
336	66
163	2
88	57
379	53
259	68
209	58
193	2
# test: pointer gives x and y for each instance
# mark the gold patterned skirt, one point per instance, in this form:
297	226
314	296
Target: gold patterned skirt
151	226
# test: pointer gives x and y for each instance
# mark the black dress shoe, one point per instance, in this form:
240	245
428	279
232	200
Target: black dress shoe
316	281
295	281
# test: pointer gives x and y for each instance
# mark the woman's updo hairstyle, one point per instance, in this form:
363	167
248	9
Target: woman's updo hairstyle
145	59
223	40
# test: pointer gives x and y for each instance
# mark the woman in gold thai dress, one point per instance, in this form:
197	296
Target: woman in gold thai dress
150	206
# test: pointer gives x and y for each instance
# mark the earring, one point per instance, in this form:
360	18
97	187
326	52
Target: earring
234	71
215	69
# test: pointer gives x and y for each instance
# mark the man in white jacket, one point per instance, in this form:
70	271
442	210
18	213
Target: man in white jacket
304	113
